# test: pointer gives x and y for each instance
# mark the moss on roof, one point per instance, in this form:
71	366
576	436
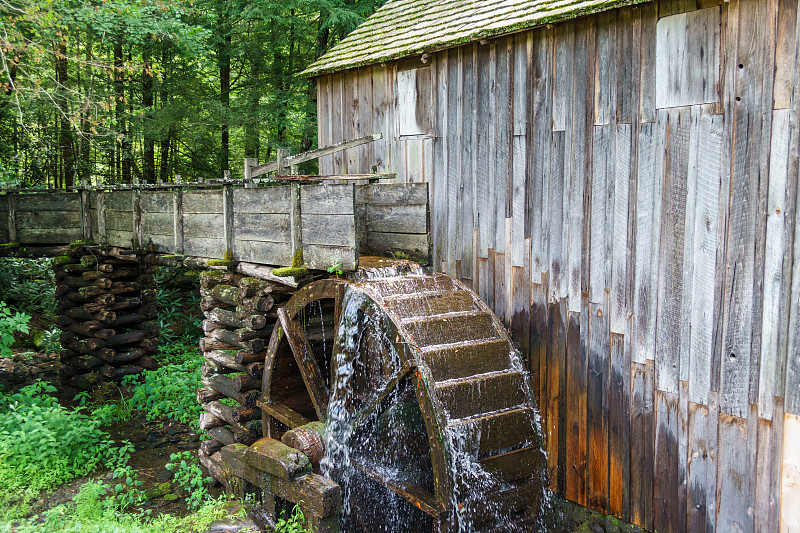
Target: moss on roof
404	28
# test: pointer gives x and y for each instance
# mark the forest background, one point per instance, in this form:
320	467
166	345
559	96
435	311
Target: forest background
113	91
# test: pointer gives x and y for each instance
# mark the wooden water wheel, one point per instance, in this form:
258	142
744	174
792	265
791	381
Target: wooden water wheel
423	375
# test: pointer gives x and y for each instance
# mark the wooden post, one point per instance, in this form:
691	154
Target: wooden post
282	154
177	211
249	163
227	214
102	234
295	227
12	217
137	218
86	212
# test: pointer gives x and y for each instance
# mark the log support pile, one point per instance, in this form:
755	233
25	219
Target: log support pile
106	315
282	475
240	312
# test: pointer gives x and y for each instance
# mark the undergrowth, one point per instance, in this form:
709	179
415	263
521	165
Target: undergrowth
43	444
170	391
96	509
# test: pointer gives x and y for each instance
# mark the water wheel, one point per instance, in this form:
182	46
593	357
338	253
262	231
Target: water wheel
430	421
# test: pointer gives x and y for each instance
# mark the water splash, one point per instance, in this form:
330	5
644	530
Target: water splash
388	442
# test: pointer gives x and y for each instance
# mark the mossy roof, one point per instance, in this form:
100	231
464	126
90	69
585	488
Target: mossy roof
404	28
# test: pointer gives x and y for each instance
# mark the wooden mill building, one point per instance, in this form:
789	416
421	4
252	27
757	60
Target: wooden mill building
618	180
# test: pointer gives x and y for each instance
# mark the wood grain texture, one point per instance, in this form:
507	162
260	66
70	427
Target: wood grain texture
598	408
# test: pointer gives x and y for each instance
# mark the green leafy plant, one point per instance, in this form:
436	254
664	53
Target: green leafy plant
10	321
169	392
44	444
336	269
48	341
28	285
295	523
189	476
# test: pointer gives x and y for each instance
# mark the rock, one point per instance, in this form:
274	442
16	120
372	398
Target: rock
232	526
167	475
171	497
162	489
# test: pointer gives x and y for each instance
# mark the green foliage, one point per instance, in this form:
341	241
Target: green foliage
10	321
295	523
43	444
189	476
179	318
170	391
336	269
109	89
48	340
28	285
97	509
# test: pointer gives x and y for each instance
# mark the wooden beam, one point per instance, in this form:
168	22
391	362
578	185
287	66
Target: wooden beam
295	160
334	177
409	491
306	361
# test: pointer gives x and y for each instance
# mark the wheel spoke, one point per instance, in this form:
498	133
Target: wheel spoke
307	362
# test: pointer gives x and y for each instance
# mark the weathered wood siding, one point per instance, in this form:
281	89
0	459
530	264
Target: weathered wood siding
621	188
329	222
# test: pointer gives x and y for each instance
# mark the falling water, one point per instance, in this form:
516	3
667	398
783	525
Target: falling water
388	445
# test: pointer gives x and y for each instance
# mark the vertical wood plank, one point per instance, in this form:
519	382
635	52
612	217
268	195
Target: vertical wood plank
102	234
351	120
708	181
467	171
619	212
581	158
324	110
541	125
519	199
619	429
786	51
790	475
485	212
337	121
648	231
702	467
627	65
597	408
643	453
666	512
503	88
366	152
605	83
601	215
738	373
556	355
772	349
670	272
576	411
380	106
455	207
647	79
558	219
733	475
439	204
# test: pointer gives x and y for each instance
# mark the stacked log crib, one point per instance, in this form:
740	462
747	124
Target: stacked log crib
106	315
240	313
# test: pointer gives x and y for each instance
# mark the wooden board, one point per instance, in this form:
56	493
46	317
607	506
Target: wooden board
790	475
688	58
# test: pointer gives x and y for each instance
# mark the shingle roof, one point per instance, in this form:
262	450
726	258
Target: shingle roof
407	27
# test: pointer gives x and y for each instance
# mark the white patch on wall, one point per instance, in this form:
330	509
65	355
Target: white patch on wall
687	58
414	101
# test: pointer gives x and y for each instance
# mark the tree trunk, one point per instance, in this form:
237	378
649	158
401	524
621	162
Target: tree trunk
149	153
65	147
224	58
